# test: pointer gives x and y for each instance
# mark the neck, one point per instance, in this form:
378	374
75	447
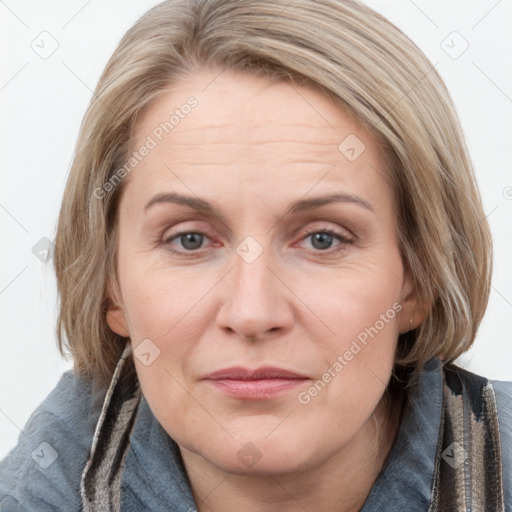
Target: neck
342	482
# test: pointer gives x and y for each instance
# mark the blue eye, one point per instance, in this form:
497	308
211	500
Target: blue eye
322	239
191	240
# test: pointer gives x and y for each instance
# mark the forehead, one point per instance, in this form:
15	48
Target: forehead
232	128
241	88
244	109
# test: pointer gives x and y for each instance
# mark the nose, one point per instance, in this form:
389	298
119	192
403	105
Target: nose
257	305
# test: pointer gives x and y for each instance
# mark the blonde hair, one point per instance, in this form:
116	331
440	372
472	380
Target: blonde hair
363	63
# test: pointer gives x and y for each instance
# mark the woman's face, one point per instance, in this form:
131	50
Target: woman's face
273	276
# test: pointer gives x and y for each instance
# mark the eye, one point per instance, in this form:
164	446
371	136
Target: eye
322	239
190	240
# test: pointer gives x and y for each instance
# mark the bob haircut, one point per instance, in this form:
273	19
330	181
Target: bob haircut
363	63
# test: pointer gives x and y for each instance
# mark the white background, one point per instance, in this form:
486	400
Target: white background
43	102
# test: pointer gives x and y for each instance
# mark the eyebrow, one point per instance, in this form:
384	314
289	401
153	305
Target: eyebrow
298	206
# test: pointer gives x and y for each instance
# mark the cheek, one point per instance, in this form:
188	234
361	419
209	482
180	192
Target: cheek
169	325
164	314
361	310
357	359
157	297
357	299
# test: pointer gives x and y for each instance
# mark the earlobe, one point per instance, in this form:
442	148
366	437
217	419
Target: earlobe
413	311
117	321
116	318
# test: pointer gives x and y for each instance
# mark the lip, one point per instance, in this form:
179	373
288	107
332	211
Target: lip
265	372
262	383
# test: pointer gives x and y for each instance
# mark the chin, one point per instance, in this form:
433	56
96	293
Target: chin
260	455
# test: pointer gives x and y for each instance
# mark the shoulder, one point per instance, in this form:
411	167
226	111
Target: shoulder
475	387
43	471
503	393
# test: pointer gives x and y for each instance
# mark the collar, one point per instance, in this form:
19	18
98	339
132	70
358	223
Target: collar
154	476
406	478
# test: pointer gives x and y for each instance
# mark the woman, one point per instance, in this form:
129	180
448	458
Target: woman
270	251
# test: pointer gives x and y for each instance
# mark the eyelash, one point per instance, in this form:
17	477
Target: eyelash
344	241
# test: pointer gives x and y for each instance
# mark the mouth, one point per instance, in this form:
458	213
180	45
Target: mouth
262	383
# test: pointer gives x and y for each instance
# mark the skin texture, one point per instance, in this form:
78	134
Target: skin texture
251	148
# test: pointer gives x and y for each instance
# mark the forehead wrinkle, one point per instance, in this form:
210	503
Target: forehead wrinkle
306	136
186	155
234	136
243	121
215	144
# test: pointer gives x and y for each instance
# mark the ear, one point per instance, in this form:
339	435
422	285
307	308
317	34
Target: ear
412	307
116	318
